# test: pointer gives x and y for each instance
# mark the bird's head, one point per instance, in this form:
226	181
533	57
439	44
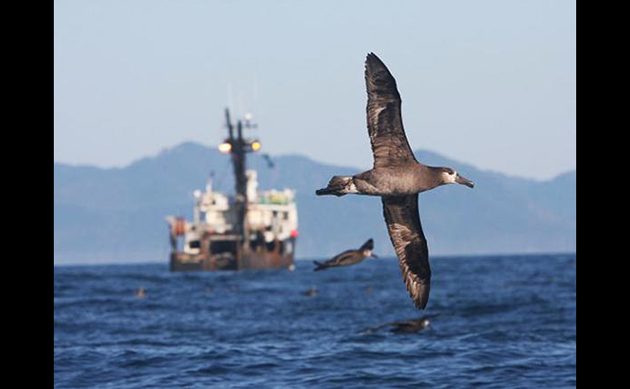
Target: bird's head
450	176
367	248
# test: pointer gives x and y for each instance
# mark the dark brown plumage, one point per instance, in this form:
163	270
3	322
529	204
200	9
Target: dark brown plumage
397	177
405	232
405	326
387	135
348	257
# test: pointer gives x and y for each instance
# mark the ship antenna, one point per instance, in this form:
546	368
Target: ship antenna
270	163
209	181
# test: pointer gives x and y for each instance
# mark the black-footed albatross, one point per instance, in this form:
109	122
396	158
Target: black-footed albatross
409	326
397	177
405	326
348	257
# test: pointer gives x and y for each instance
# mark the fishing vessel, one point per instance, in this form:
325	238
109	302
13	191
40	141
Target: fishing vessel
250	229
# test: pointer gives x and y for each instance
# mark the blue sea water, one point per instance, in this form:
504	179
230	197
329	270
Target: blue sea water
502	322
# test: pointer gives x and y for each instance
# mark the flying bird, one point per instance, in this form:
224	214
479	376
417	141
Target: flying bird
397	177
348	257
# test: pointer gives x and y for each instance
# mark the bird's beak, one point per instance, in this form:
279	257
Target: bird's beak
464	181
374	256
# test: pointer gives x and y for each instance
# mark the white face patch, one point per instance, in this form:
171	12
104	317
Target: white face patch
449	178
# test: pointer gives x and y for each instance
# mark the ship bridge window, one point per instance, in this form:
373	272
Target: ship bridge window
194	244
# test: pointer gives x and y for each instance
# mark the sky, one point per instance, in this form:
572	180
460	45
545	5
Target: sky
490	83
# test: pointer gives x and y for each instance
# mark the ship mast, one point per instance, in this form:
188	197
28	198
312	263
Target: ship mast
238	147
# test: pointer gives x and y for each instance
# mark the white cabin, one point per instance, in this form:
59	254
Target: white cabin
271	215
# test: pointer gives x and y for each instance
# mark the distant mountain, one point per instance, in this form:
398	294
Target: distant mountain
117	214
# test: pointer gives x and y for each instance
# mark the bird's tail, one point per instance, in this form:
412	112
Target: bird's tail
338	186
320	266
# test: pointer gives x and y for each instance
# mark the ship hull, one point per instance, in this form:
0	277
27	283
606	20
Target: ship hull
240	259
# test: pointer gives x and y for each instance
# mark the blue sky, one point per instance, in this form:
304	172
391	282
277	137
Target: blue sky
490	83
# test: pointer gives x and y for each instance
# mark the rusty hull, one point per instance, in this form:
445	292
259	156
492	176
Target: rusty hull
243	258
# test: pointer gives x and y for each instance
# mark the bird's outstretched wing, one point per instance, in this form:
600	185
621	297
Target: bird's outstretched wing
405	231
387	135
340	258
337	260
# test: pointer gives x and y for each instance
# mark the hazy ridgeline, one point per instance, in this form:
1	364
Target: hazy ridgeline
117	215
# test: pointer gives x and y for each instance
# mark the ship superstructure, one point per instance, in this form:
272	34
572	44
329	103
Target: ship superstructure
251	229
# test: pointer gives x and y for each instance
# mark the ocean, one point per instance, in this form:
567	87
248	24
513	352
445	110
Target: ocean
496	322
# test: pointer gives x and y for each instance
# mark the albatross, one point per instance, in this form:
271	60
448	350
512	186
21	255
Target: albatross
348	257
397	177
405	326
